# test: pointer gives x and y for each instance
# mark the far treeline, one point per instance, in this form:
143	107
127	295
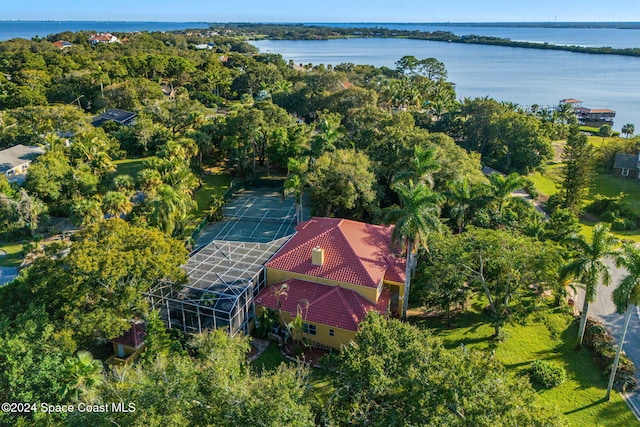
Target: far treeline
318	32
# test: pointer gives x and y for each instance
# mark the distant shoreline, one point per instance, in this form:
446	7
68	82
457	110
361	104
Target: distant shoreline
325	32
612	25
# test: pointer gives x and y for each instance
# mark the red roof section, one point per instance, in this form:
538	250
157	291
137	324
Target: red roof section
354	252
324	304
134	337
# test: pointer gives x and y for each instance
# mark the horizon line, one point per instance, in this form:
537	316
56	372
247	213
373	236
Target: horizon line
322	22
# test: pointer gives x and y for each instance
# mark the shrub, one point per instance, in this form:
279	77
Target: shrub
597	337
546	374
613	210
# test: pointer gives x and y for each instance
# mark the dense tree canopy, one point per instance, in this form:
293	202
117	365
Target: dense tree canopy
98	287
396	374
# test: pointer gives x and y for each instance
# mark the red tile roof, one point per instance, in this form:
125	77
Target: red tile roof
62	44
324	304
354	252
134	337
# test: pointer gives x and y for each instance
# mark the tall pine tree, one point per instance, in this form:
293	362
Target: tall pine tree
578	170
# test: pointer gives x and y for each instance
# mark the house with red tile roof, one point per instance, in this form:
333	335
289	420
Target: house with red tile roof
94	39
333	272
61	44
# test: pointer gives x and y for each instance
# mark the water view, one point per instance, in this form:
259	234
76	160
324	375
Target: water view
29	29
617	36
524	76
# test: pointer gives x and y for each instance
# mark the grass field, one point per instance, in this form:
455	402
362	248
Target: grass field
550	337
13	257
129	166
547	184
211	184
610	185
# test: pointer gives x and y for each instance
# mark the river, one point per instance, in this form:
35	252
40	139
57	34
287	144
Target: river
523	76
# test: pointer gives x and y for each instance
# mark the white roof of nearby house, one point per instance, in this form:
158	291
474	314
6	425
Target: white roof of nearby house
17	155
202	46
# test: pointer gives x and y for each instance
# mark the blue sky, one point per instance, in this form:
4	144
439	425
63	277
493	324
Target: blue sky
323	10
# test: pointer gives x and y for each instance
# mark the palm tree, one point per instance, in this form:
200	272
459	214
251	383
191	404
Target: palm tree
626	296
422	166
459	196
565	113
295	185
124	183
83	375
86	211
587	267
414	221
116	204
169	207
628	129
501	187
149	180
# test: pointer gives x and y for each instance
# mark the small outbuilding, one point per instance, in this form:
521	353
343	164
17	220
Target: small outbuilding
626	165
128	347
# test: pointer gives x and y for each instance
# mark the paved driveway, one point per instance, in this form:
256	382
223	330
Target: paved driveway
604	309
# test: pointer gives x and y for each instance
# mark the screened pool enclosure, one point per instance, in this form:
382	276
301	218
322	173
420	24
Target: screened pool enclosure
223	278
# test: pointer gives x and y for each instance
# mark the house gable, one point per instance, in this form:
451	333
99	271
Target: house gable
17	158
322	304
354	253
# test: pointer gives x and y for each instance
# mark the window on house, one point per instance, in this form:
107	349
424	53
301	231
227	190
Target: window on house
309	329
331	332
625	172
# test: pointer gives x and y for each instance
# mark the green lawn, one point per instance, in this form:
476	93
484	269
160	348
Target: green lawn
551	337
587	231
597	141
608	185
13	257
211	184
129	166
548	183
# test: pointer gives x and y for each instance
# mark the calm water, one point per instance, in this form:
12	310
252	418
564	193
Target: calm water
592	37
523	76
29	29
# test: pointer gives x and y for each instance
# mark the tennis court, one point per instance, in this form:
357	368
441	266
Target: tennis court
254	214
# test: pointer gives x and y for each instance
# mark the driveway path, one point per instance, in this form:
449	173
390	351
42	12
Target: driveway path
604	309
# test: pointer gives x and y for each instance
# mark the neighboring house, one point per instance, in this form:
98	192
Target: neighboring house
626	165
15	161
205	46
123	117
94	39
333	272
593	117
128	346
61	44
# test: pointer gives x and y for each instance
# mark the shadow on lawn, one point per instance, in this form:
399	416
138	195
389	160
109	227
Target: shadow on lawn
591	405
470	322
580	362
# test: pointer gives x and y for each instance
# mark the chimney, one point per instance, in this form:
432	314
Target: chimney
317	256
